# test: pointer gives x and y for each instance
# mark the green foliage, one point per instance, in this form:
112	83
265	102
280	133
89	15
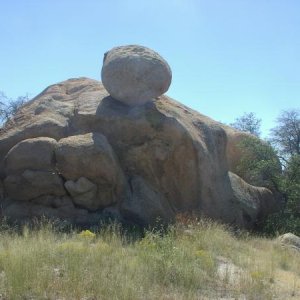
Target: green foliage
288	220
292	184
282	222
248	122
286	135
259	164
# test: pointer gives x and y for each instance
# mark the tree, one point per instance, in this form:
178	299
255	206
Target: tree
292	184
260	166
287	219
248	122
259	163
276	165
9	107
286	135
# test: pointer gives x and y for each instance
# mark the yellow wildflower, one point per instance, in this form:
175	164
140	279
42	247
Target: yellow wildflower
87	234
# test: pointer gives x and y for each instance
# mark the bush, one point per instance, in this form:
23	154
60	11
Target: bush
261	166
288	220
9	107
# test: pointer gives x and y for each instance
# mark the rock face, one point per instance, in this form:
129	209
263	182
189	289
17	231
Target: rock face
76	153
30	170
254	202
134	74
88	163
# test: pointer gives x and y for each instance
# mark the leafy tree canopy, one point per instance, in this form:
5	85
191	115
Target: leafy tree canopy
248	122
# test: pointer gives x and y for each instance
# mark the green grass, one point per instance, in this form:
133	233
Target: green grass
182	262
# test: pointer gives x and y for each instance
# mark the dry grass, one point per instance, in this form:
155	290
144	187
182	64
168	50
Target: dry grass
195	260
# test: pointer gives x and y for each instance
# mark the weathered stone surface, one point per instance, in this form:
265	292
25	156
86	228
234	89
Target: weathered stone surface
90	156
32	184
145	205
25	211
290	240
54	201
81	186
47	115
255	203
83	192
30	170
34	154
233	147
148	161
135	74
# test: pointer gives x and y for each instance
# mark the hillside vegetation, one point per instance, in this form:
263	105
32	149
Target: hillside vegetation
189	260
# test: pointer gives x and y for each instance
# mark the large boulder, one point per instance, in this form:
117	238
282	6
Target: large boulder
91	170
77	153
36	153
30	170
134	74
255	202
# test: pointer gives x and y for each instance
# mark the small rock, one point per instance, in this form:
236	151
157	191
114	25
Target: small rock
290	240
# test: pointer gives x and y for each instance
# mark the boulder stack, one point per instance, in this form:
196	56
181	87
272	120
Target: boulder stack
82	150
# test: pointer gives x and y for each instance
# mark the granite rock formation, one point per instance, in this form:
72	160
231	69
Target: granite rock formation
76	153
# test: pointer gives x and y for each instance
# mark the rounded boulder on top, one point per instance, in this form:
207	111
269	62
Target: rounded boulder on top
135	74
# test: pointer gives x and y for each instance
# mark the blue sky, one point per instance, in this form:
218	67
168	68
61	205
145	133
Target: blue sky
227	56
